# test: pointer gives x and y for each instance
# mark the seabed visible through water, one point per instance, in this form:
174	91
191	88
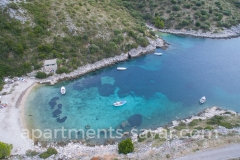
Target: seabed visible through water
158	89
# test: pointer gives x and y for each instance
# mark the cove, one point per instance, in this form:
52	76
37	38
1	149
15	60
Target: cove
158	89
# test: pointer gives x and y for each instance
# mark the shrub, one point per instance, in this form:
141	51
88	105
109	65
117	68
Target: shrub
176	8
215	120
125	146
37	66
226	125
50	151
41	75
61	70
197	24
193	123
173	1
5	150
31	153
208	128
187	5
44	155
158	22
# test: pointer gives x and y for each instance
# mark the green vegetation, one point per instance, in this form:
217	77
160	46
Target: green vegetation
5	150
31	153
188	14
219	120
41	75
50	151
76	32
125	146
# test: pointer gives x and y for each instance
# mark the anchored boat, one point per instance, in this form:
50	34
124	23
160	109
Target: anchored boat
202	100
63	90
158	54
121	68
119	103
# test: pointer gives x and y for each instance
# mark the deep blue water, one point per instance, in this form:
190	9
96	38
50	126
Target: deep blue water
159	88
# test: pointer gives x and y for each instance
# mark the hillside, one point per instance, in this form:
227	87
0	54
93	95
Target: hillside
78	32
206	15
74	31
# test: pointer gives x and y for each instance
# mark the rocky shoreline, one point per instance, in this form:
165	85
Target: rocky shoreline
148	150
158	43
233	32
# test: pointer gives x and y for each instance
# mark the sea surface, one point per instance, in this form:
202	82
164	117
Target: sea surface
158	89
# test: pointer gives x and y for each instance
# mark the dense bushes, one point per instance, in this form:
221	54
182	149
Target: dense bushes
219	120
61	70
205	11
5	150
125	146
159	23
41	75
50	151
21	44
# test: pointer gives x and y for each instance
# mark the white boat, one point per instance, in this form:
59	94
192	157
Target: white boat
63	90
202	100
121	68
158	54
119	103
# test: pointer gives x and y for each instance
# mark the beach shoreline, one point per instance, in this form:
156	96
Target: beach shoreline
22	104
15	95
11	117
20	92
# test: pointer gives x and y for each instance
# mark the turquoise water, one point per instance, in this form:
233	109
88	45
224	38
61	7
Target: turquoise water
159	88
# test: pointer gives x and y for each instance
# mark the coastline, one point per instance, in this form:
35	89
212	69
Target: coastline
82	70
15	95
21	104
225	34
150	148
12	122
18	97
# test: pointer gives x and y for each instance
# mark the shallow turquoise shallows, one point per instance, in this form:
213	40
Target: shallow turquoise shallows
158	88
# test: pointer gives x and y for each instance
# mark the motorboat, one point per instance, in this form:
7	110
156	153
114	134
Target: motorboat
158	54
121	68
202	100
119	103
63	90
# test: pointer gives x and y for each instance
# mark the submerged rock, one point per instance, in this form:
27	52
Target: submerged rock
125	124
61	120
135	120
52	104
106	89
54	99
56	113
59	106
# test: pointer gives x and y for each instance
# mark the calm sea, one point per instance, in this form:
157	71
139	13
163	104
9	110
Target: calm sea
158	88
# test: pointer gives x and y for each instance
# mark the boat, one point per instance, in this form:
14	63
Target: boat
63	90
202	100
121	68
119	103
158	54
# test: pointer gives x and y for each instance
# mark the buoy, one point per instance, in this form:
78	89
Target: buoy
87	126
